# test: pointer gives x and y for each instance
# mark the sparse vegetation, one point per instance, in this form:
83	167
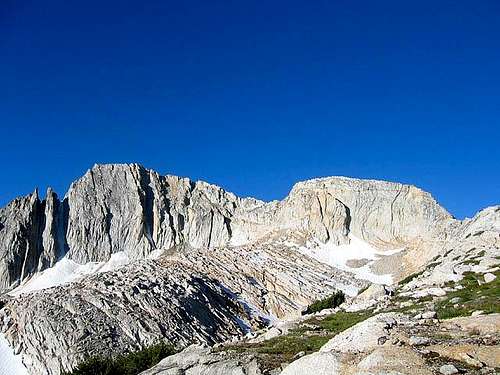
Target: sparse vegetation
471	262
409	278
330	302
474	296
415	304
480	254
129	364
339	322
309	337
476	259
433	264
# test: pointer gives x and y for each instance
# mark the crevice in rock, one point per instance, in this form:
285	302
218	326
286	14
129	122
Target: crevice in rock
147	204
62	228
211	228
227	223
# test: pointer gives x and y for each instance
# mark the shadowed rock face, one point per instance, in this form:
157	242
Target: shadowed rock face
29	237
128	208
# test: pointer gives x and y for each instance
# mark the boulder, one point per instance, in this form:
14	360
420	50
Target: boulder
319	363
448	370
363	336
393	360
489	277
199	360
418	341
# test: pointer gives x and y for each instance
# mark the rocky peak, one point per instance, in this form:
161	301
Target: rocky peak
21	223
225	264
381	211
127	208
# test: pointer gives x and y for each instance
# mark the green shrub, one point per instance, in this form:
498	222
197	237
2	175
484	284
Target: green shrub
331	302
339	321
409	278
473	296
128	364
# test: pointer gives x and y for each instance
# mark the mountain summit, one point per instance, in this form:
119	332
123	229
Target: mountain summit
129	258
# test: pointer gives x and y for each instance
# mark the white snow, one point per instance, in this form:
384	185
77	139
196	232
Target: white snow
357	249
10	364
116	261
155	254
67	270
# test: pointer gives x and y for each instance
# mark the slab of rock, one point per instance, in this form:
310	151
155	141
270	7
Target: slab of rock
319	363
475	355
448	370
364	336
489	277
393	360
199	360
482	324
418	341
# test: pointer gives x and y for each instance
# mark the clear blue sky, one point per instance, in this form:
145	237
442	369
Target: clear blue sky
254	96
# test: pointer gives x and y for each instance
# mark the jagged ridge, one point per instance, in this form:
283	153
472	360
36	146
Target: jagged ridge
125	207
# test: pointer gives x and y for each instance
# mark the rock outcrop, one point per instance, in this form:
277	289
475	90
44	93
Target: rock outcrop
200	360
125	207
473	246
119	311
228	265
29	237
185	296
364	336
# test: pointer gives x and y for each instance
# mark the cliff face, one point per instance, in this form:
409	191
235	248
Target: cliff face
382	212
29	240
128	208
226	265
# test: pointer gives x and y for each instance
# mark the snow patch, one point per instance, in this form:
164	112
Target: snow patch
339	255
67	270
117	260
238	238
155	254
10	363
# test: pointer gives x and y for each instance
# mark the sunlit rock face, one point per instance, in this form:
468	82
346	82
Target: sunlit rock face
126	207
129	257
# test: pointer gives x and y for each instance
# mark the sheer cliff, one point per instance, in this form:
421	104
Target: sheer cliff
127	208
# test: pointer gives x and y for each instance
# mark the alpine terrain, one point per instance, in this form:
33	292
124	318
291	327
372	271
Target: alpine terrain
343	276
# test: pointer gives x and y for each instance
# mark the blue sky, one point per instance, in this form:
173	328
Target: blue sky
254	96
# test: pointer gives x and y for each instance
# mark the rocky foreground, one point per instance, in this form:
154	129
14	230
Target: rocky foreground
442	320
129	258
